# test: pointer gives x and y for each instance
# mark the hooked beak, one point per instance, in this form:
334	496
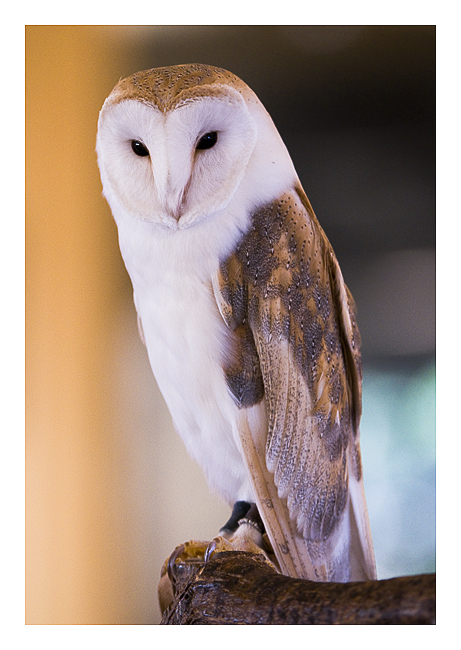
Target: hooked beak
175	205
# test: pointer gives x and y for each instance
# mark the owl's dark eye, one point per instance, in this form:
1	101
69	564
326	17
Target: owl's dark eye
139	148
208	140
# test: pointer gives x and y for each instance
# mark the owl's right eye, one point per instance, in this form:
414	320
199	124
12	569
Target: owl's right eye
139	148
208	140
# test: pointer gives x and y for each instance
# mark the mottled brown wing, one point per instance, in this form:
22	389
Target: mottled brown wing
296	342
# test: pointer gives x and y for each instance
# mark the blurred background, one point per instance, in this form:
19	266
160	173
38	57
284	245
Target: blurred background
110	490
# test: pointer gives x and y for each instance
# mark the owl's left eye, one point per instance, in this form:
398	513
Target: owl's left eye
139	148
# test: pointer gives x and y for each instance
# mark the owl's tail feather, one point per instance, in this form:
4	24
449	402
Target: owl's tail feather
346	556
289	547
361	555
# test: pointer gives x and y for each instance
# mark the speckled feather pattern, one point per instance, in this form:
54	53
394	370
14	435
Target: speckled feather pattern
281	286
167	88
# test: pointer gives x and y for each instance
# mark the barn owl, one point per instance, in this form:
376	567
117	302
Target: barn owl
249	327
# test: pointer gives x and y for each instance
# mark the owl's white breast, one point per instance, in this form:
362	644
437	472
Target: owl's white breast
185	336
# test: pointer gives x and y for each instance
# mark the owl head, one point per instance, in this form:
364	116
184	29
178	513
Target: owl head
179	144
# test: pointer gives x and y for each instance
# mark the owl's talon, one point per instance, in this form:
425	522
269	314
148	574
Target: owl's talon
242	533
189	552
172	559
210	550
219	545
182	562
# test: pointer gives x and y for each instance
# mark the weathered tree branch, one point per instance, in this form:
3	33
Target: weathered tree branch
237	588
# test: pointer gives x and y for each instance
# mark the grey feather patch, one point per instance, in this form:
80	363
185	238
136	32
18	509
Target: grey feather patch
243	373
283	284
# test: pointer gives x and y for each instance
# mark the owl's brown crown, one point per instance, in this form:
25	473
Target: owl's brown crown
169	86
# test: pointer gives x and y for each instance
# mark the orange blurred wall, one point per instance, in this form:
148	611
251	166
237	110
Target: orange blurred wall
70	558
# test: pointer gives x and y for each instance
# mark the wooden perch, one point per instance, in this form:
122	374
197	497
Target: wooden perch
237	588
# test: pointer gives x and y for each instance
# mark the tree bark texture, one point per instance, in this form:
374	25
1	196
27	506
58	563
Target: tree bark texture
237	588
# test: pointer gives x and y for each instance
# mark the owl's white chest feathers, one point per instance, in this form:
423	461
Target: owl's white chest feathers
186	339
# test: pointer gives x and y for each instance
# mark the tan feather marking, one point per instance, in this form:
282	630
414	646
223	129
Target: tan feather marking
284	281
168	87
